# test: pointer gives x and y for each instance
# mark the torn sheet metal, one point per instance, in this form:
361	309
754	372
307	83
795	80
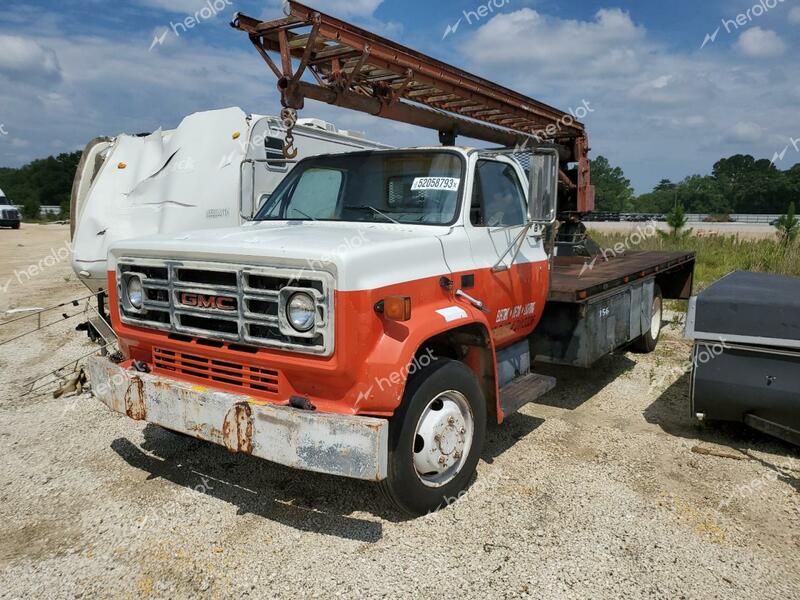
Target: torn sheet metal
214	168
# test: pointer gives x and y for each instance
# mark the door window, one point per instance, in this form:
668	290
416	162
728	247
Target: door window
498	199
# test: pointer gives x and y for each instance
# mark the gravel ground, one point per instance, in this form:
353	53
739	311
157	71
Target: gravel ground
594	491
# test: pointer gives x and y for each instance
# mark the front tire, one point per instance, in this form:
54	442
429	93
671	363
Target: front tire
435	438
15	226
648	342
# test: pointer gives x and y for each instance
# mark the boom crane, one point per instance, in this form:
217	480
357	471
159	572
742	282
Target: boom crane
359	70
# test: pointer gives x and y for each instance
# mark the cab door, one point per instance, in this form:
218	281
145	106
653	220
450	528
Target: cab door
512	269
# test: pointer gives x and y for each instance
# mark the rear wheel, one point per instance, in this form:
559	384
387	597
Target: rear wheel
648	342
436	438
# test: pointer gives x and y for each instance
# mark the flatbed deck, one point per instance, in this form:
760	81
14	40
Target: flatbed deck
576	279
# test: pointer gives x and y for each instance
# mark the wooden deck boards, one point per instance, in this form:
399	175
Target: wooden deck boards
575	279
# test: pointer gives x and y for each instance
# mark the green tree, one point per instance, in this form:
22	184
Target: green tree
788	226
676	219
665	185
613	191
701	194
46	181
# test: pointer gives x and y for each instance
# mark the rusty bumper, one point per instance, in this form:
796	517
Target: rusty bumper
345	445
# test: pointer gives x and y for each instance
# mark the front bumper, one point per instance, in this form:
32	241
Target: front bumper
345	445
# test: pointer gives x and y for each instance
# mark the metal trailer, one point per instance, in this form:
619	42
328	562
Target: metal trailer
746	361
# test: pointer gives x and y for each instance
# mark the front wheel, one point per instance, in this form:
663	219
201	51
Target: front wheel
436	438
15	226
648	342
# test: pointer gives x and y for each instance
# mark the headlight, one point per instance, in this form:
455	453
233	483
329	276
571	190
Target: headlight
135	293
301	311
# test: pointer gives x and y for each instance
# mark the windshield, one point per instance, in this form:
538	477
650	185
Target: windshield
389	187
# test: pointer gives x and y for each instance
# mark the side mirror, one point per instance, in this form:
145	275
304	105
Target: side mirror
543	180
246	190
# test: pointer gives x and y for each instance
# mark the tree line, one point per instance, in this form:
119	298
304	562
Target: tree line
46	181
739	184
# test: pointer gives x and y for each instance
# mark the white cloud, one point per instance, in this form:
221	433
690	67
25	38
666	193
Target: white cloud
748	132
22	59
794	15
658	112
352	8
605	45
761	43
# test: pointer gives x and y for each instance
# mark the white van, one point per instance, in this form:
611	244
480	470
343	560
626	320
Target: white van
213	171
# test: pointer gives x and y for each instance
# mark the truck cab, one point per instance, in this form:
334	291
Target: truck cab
9	214
362	324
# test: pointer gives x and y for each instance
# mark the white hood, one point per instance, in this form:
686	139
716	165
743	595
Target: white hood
359	255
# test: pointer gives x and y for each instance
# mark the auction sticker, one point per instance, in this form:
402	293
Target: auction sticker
436	183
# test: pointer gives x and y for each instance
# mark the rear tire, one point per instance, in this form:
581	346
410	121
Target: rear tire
435	438
648	342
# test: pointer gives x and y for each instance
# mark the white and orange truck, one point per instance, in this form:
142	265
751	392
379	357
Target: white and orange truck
382	307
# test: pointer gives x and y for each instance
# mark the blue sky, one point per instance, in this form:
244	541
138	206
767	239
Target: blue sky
662	106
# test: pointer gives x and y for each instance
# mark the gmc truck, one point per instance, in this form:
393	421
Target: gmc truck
383	307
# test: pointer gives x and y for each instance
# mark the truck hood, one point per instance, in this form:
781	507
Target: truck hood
359	255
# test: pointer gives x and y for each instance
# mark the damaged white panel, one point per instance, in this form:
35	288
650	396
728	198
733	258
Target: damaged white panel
165	182
216	166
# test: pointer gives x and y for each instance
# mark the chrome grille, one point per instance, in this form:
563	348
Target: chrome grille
234	303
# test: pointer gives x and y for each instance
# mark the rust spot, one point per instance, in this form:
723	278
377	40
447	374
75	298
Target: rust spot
237	430
134	406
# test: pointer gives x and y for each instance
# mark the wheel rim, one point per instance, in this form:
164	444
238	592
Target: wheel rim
655	320
443	438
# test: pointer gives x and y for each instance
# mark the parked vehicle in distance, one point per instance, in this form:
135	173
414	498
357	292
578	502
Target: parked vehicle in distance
9	214
213	171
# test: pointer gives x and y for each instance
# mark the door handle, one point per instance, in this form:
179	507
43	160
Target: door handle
474	301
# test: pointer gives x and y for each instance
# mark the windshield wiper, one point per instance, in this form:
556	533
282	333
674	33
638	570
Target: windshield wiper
297	210
385	216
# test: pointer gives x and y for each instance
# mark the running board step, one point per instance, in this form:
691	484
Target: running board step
526	389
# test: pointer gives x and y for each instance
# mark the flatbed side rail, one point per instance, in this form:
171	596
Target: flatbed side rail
578	279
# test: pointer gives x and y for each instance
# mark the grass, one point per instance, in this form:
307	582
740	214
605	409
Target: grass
719	255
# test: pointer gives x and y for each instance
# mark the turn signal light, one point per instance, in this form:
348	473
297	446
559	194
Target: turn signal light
397	308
